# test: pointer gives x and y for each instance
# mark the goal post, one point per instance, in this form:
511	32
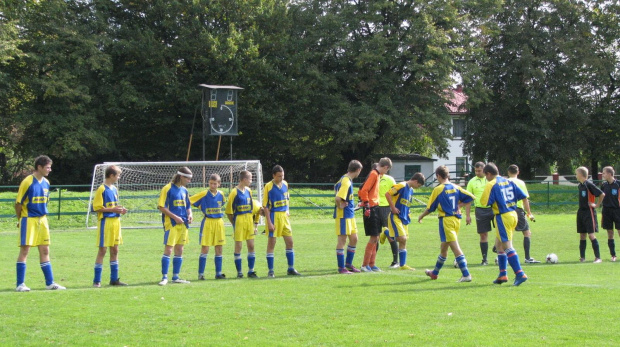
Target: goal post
141	182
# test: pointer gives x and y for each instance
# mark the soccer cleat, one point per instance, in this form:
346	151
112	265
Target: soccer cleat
582	260
520	280
55	286
97	284
500	280
455	263
178	280
271	274
613	258
344	271
394	266
201	277
496	260
292	272
163	282
22	288
430	274
352	268
118	283
494	249
484	263
239	275
220	277
252	274
407	267
375	269
366	268
597	261
382	238
465	279
531	261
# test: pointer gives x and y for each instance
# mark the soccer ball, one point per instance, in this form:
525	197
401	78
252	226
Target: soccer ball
552	258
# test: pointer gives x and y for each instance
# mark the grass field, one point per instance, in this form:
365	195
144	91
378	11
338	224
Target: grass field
569	303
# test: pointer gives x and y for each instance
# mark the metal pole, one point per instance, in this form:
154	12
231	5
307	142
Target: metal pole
231	148
202	114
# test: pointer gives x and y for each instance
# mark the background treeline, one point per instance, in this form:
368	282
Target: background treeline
325	81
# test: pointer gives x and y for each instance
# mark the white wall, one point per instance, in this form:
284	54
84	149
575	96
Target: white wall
398	169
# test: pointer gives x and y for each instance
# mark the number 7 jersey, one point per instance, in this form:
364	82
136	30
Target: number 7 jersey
446	197
502	195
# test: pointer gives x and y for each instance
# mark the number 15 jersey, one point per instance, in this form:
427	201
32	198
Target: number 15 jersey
502	195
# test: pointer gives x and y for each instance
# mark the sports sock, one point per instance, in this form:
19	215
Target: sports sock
513	260
218	265
238	262
290	258
439	264
202	263
368	253
526	247
177	261
113	270
394	246
251	261
165	264
270	261
402	255
612	247
373	256
595	248
582	249
350	255
21	272
340	258
462	265
46	267
484	249
502	262
98	269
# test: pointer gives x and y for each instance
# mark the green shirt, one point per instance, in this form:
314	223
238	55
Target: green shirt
476	186
521	185
385	184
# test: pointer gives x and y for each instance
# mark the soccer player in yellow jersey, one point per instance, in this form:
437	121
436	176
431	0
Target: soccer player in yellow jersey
109	234
523	206
176	216
502	195
399	197
239	210
31	212
447	199
275	205
344	217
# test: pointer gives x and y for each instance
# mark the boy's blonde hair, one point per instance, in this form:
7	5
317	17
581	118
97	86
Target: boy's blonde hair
583	171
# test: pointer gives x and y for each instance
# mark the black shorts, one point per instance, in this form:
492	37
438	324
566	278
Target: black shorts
586	221
522	224
611	216
372	223
384	214
484	218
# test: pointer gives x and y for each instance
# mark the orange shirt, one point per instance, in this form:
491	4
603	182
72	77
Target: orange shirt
370	190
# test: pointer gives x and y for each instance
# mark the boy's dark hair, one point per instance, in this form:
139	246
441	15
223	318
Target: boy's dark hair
41	160
479	165
419	177
112	170
443	172
215	177
354	165
244	174
491	168
276	169
513	169
177	178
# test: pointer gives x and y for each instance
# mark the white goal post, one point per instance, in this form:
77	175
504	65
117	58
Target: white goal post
141	182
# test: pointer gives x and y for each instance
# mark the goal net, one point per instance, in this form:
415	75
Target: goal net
140	184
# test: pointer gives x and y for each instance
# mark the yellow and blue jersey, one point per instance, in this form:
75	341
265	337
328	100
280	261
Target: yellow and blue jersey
176	200
239	202
445	199
33	195
344	190
402	195
523	187
210	204
105	197
275	198
502	195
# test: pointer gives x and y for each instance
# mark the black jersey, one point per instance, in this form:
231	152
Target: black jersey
587	193
611	198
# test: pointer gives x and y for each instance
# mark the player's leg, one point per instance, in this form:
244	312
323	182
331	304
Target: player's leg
370	246
202	262
595	247
165	260
177	262
114	279
484	247
441	259
99	266
46	266
376	231
461	261
611	244
402	252
527	243
351	253
607	221
251	258
484	218
237	258
341	242
271	246
218	262
21	269
290	256
582	246
204	239
507	222
502	261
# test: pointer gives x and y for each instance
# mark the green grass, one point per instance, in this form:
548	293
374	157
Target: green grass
564	304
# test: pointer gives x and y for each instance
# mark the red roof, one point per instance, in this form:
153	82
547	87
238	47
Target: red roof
457	101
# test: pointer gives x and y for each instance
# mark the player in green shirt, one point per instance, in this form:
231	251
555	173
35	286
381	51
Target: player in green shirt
386	184
484	214
522	224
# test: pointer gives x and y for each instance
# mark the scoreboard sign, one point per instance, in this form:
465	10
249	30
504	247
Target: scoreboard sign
219	105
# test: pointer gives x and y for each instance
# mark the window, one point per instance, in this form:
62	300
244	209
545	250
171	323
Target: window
411	169
458	127
461	166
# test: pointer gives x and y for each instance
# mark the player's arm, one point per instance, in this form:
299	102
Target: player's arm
171	215
18	212
486	199
432	203
424	214
594	190
21	196
364	191
526	207
341	196
390	201
266	210
230	208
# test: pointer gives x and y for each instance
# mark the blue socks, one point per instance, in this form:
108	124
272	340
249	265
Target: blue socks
21	272
238	262
350	255
218	265
202	263
462	262
502	262
165	264
176	266
251	261
114	270
513	260
340	258
402	255
98	269
46	267
290	257
440	261
270	261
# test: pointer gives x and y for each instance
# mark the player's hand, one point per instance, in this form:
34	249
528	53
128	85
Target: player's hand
420	219
255	231
271	227
18	224
468	220
531	217
395	210
593	205
177	219
190	218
